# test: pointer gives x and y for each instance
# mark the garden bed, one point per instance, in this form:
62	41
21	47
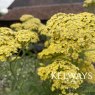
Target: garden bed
47	50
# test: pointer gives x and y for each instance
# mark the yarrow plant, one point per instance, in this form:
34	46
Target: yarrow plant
70	47
8	44
63	66
28	22
11	41
13	48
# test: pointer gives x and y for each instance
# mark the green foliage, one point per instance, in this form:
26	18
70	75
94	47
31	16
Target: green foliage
20	77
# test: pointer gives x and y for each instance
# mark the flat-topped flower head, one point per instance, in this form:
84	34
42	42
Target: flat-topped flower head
25	17
8	44
71	37
26	36
59	73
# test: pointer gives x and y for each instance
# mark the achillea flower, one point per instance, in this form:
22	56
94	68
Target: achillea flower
61	82
25	37
28	22
71	37
16	26
8	44
26	17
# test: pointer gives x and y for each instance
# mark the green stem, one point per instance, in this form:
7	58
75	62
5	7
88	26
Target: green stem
14	76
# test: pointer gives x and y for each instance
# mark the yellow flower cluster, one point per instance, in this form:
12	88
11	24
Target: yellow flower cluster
16	26
28	22
88	3
26	17
8	44
25	37
11	41
70	35
59	73
69	22
72	38
87	67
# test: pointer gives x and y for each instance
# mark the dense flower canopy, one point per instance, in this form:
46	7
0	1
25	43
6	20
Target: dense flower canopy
11	41
8	44
62	82
26	36
28	22
65	63
71	37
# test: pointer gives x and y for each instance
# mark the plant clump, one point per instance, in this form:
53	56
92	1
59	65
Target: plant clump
63	66
58	72
11	41
70	38
24	37
8	44
28	22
